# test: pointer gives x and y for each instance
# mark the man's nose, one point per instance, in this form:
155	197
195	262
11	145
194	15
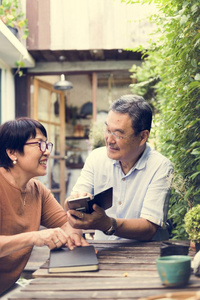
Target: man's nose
110	138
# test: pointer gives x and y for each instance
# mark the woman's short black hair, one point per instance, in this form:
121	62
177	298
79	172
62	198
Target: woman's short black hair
138	109
14	134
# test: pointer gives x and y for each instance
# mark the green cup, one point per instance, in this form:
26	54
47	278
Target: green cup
174	270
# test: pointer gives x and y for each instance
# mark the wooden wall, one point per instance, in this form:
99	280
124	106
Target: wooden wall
86	24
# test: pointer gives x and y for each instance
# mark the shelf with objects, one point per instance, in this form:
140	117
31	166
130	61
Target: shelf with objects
77	145
77	150
77	135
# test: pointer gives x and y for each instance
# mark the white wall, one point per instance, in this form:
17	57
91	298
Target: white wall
98	24
7	93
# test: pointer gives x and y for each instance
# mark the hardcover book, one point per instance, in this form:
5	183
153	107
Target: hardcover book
77	260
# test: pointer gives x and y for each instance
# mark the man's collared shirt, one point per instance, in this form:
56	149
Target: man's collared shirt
142	193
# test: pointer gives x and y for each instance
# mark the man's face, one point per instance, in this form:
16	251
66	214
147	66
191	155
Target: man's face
121	142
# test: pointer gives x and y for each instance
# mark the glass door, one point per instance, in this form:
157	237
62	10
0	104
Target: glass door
48	107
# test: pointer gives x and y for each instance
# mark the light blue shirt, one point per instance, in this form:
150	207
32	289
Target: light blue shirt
143	192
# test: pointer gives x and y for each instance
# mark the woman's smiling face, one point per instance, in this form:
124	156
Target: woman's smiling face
33	162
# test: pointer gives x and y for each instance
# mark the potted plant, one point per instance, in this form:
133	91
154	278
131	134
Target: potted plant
12	16
192	225
96	135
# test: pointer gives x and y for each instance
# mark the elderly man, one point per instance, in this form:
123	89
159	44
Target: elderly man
140	176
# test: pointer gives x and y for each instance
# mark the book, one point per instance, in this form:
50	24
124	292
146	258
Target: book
77	260
84	204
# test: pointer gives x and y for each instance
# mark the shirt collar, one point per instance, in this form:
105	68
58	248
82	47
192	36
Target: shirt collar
141	163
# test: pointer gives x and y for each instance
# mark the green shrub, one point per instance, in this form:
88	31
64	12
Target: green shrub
170	80
192	224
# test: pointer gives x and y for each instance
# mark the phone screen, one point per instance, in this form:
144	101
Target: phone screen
79	204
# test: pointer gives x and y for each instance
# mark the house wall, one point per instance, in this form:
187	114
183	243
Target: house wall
7	93
98	24
87	24
38	15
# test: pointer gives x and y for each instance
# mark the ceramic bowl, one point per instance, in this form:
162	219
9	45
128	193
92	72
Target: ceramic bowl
174	270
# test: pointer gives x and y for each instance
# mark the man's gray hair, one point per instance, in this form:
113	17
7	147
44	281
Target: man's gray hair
138	109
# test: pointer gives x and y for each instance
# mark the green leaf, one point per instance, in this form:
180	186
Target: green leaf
197	77
184	19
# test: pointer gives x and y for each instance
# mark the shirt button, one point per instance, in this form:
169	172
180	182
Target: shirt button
123	179
120	203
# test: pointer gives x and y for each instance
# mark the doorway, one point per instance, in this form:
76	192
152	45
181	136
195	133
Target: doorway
48	107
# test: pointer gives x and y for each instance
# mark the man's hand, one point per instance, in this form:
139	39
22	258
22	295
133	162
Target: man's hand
75	195
96	220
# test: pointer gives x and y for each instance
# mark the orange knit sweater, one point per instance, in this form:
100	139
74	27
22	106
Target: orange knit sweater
40	208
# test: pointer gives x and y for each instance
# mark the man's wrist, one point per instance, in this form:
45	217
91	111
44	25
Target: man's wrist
111	230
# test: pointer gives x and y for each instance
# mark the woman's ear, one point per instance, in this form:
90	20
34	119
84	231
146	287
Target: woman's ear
144	135
11	154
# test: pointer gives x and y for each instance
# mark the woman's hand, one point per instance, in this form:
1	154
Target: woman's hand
75	235
58	237
53	238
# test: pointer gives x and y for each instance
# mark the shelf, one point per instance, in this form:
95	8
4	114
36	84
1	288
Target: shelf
74	166
76	138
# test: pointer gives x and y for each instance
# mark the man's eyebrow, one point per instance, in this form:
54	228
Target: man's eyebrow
118	130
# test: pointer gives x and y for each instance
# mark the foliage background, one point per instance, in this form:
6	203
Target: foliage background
170	80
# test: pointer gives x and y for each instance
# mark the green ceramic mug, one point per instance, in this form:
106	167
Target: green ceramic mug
174	270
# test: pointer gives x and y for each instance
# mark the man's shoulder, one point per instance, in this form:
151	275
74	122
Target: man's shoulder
100	149
99	152
98	158
155	155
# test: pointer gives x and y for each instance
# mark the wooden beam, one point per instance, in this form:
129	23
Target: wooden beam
44	68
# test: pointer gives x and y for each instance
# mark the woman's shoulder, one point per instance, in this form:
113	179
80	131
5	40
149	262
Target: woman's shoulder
35	184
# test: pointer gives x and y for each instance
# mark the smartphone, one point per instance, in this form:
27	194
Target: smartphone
79	204
84	204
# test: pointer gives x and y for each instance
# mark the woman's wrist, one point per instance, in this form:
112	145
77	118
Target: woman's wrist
34	238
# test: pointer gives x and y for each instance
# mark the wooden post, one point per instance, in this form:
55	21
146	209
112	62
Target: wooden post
94	96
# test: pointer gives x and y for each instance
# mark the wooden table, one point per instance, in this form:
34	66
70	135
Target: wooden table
127	271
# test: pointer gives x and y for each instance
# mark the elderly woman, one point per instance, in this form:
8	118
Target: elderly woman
25	203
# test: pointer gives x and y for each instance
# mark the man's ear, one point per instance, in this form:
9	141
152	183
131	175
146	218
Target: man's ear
144	135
